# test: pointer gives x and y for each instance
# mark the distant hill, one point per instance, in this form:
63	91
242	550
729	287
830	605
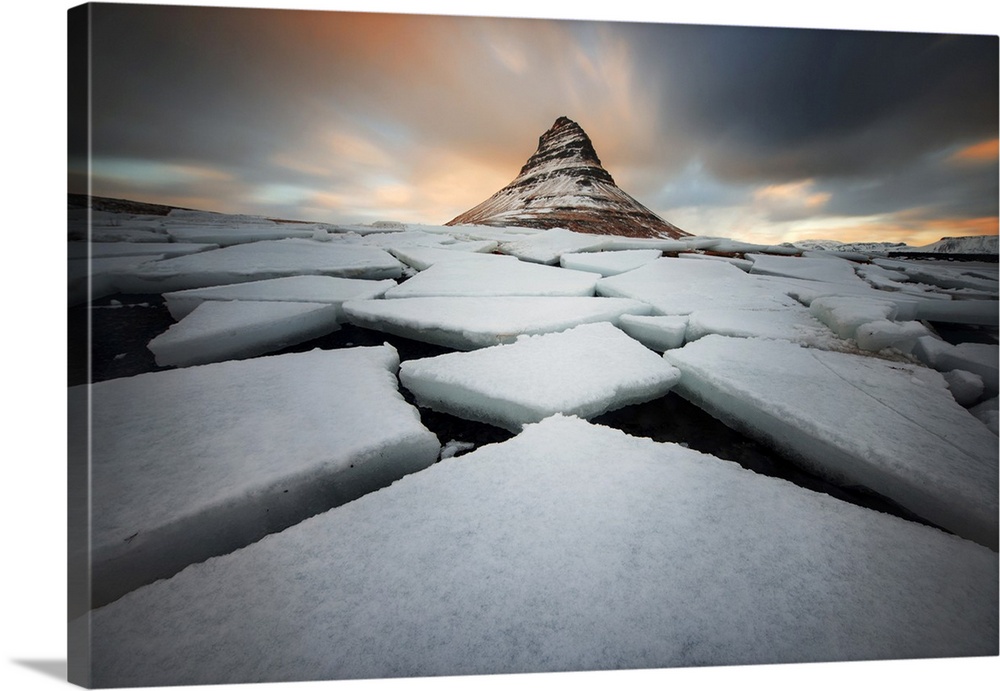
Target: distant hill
973	244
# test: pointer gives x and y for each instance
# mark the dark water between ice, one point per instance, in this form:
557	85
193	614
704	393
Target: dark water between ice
122	326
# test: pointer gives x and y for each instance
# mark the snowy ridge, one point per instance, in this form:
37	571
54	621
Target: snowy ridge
563	185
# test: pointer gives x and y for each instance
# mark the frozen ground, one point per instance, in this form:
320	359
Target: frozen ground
872	381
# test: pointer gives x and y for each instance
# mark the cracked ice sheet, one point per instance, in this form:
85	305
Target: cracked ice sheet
494	275
548	246
191	463
327	289
891	427
236	329
681	286
258	261
608	263
571	546
585	371
791	324
468	323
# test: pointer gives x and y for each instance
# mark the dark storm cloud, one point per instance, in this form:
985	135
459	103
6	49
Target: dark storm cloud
793	103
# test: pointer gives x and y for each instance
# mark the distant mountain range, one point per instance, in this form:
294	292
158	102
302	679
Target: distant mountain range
968	245
564	185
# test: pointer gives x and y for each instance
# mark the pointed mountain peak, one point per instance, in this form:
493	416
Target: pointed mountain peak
564	185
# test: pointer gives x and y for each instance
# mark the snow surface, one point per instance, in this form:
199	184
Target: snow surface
467	323
230	330
495	276
326	289
195	462
887	426
587	370
421	258
569	547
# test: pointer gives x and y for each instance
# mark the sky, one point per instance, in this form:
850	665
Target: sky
757	133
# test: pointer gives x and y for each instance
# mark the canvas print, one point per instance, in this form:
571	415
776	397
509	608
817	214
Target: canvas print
411	345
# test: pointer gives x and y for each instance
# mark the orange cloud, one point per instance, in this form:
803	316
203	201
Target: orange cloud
981	152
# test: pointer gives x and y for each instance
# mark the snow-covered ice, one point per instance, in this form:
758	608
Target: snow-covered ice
608	263
546	247
237	233
256	261
793	323
190	463
966	388
569	547
467	323
328	289
587	370
744	264
656	333
421	258
89	279
219	330
494	276
681	286
978	358
845	314
829	269
891	427
987	413
82	250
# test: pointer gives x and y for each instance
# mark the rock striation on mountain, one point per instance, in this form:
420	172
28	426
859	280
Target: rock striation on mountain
564	185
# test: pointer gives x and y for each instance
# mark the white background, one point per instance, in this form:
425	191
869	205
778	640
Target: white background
34	373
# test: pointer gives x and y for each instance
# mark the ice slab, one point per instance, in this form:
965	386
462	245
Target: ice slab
469	323
987	413
805	291
828	269
571	546
546	247
983	312
978	358
608	263
327	289
191	463
681	286
224	236
219	330
878	335
81	250
743	264
967	388
891	427
656	333
791	324
845	314
421	258
946	274
688	244
89	279
585	371
494	275
257	261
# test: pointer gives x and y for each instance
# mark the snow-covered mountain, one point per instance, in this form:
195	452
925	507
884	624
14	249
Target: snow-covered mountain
974	244
564	185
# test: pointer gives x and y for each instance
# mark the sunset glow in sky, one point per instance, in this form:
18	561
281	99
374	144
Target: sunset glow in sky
753	133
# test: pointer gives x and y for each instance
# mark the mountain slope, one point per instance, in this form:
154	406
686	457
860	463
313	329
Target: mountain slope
564	185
